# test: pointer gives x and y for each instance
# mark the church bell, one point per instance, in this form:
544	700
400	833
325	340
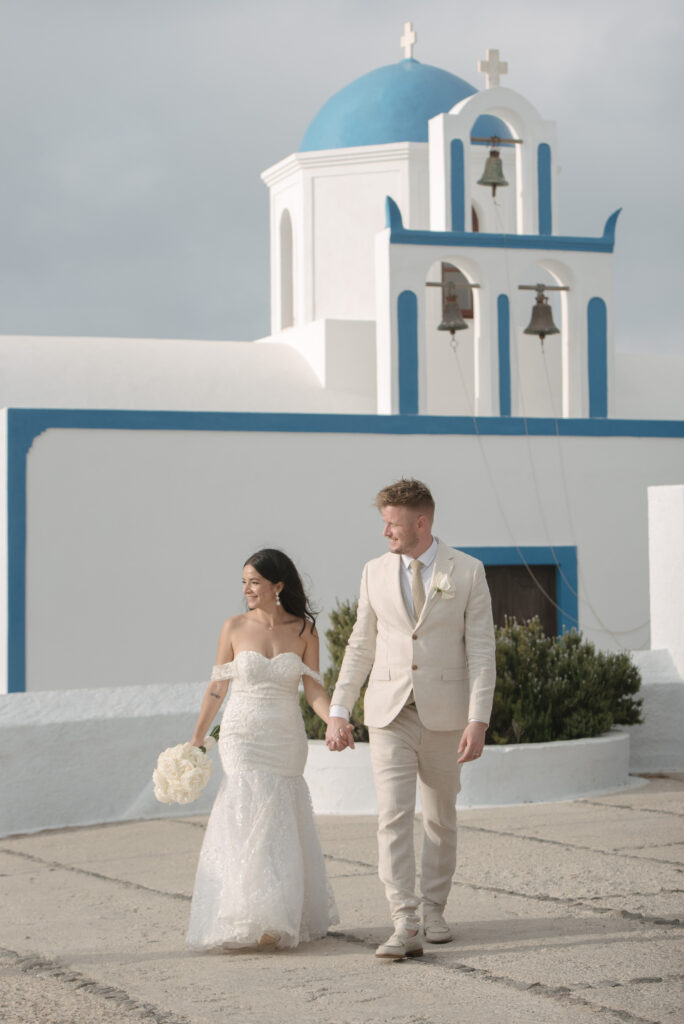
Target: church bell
493	173
451	313
542	318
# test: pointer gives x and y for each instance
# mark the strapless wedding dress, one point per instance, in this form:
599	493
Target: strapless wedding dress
261	868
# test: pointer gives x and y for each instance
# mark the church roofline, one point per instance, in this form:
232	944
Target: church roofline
399	235
356	155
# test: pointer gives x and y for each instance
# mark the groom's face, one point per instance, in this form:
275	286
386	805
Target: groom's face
402	528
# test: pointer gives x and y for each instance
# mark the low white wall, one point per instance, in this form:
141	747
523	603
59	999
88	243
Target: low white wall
82	757
657	744
523	773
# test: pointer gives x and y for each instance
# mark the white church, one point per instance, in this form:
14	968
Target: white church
430	319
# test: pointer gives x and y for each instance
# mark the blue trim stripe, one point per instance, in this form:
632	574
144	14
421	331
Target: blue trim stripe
399	235
25	425
19	442
503	319
407	323
597	356
544	188
457	186
564	558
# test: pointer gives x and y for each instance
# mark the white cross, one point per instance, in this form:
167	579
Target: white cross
408	40
492	68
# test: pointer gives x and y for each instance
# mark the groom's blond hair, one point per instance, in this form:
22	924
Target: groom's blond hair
409	493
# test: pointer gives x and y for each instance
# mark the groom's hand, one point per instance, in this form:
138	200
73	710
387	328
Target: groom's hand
339	734
472	742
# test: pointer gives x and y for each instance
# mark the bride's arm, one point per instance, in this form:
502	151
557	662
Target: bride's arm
315	694
216	691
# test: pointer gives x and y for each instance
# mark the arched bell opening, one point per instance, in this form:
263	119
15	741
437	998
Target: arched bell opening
494	173
539	363
286	271
450	301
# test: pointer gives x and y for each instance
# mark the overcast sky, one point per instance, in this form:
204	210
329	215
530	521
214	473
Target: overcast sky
133	133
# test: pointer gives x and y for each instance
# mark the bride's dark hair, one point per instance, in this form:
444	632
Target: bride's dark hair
276	567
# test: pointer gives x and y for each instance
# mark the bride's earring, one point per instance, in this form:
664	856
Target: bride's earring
277	598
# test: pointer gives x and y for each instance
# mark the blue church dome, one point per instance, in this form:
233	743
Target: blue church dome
392	104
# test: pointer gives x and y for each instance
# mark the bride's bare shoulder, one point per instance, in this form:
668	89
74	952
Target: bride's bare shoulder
309	630
233	625
230	631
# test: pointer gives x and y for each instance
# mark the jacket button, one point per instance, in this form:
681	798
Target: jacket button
414	667
415	636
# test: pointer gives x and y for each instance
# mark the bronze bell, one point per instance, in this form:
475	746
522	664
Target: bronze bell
451	313
493	173
542	318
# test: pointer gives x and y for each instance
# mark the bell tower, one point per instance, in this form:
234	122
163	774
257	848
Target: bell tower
494	222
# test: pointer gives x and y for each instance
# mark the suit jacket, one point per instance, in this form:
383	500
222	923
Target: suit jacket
447	657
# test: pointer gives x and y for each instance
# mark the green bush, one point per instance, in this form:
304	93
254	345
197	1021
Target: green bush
558	687
342	621
547	687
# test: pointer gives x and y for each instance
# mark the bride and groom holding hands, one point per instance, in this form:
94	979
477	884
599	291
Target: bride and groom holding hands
425	635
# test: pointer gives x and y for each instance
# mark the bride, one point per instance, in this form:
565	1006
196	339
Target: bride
261	879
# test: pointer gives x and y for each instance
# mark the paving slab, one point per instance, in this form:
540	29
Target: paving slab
547	928
576	827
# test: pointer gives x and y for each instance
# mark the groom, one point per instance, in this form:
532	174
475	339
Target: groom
424	632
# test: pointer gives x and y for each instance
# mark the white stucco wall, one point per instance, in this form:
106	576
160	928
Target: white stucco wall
147	373
341	354
136	539
337	202
666	559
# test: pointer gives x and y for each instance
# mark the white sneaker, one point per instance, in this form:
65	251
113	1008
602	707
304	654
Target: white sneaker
435	927
400	945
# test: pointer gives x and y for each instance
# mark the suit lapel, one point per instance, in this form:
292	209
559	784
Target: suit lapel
443	563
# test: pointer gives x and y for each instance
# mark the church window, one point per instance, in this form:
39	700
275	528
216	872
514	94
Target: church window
521	593
286	272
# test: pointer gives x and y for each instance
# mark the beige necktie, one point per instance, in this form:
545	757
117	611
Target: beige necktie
417	588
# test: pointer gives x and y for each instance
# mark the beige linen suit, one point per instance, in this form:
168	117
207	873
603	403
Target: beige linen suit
445	662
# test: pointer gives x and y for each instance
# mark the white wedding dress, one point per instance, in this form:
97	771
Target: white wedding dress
261	868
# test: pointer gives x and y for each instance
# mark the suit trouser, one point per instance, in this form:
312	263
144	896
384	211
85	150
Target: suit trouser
402	752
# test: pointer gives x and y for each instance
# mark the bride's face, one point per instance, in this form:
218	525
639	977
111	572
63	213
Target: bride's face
259	592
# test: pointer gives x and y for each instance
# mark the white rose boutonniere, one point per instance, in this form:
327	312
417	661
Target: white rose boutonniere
443	585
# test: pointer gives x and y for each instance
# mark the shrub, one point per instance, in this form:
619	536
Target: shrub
558	687
342	621
547	687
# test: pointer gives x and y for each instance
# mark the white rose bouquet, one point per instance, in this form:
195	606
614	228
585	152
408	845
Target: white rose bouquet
182	772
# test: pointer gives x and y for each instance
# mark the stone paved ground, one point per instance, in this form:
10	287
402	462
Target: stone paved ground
567	912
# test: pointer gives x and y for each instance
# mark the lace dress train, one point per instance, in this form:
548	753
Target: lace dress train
261	868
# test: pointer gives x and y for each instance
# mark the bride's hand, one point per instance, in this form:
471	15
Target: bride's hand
339	735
